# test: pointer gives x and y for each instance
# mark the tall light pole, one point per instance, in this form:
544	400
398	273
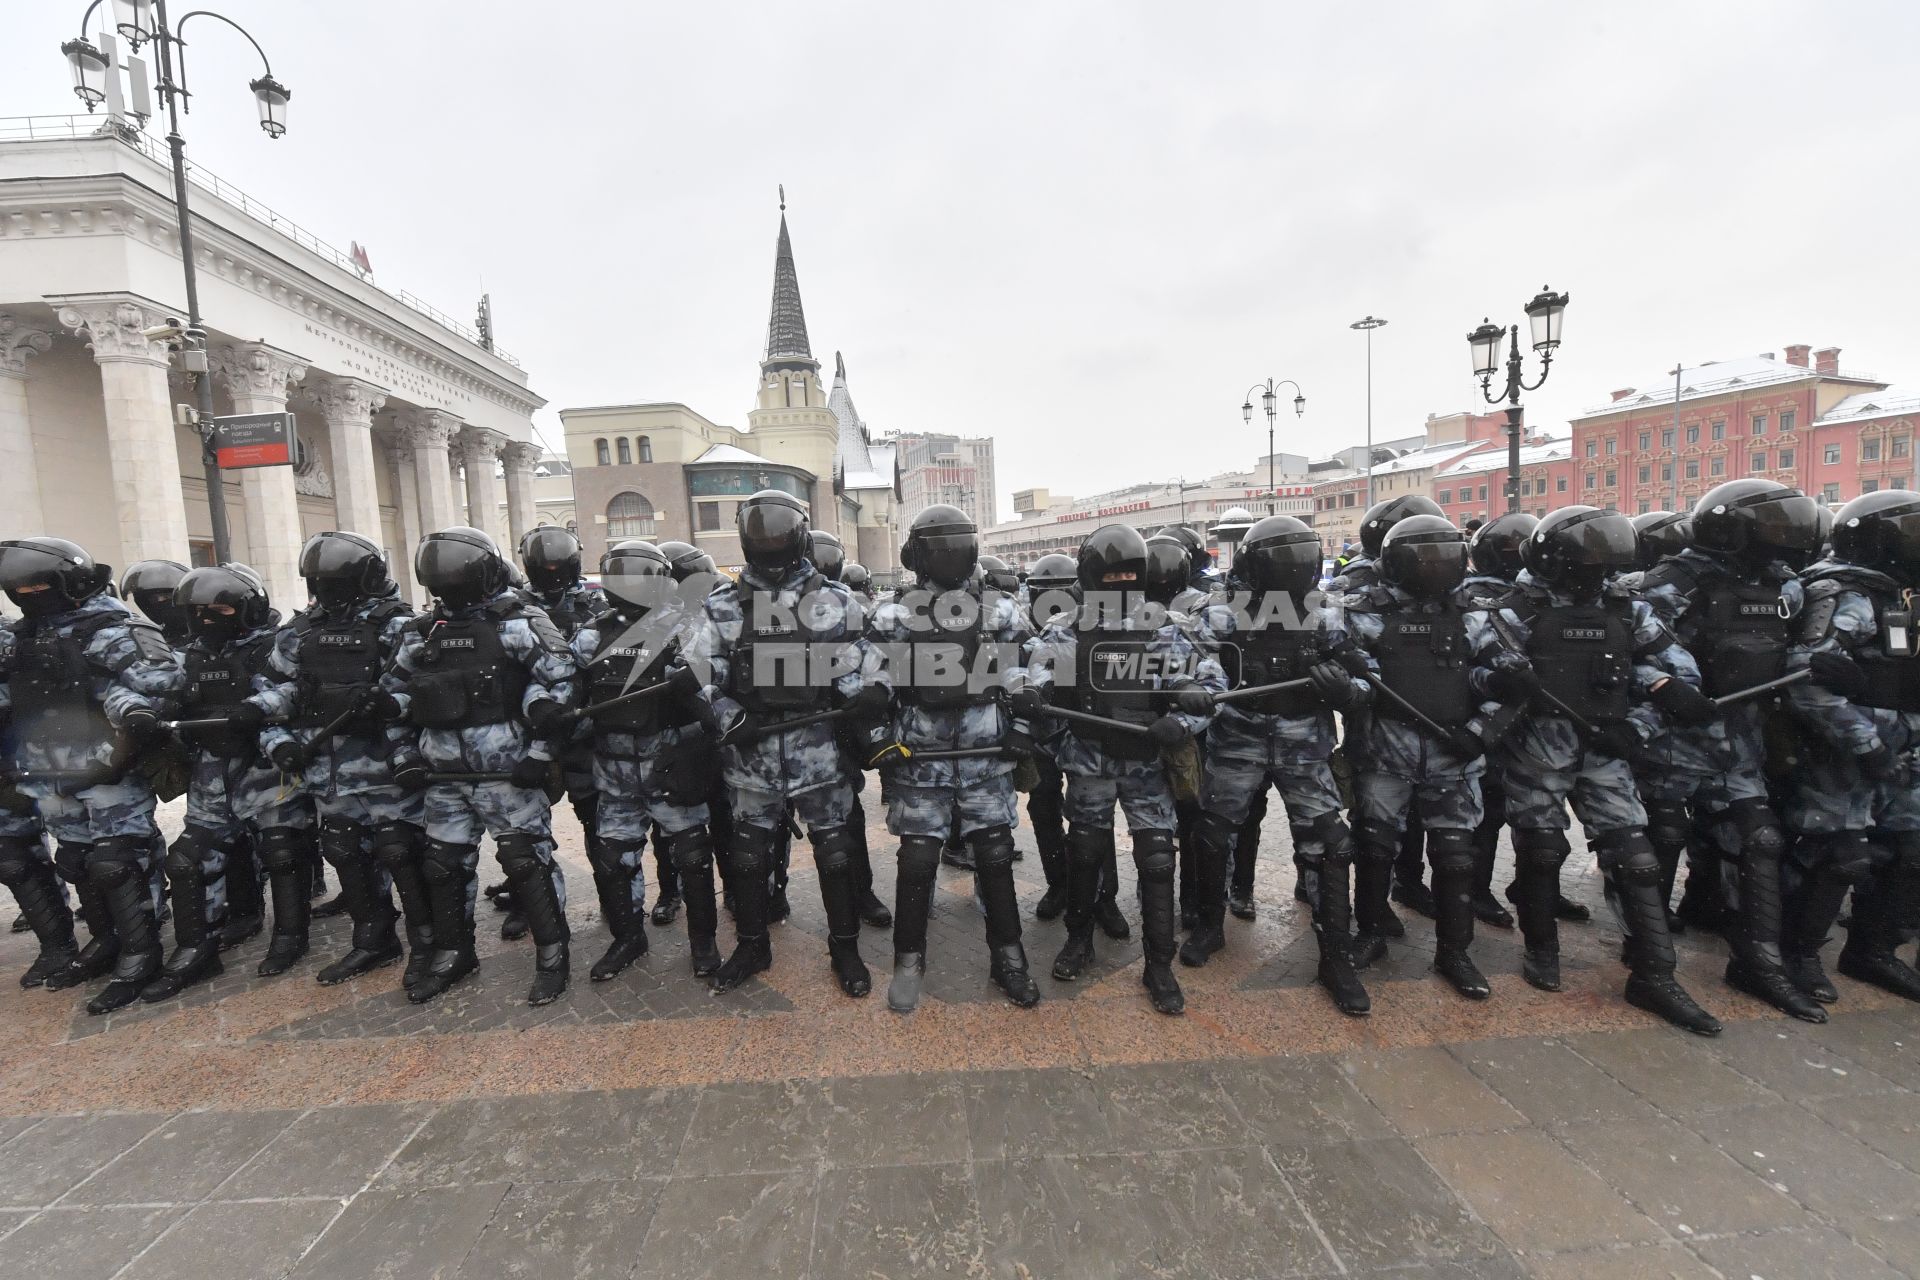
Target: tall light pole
1675	464
136	22
1269	400
1545	315
1369	324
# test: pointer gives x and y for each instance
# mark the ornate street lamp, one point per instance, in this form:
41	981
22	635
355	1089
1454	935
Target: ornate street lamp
1269	400
1546	313
137	22
1367	325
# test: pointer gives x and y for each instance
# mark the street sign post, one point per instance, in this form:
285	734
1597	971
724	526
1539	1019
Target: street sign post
242	440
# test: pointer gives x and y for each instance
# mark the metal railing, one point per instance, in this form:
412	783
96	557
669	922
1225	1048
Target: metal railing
49	128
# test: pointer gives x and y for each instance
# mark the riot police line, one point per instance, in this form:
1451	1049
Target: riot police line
1734	688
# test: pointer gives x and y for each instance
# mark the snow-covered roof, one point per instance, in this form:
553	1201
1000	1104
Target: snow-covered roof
731	453
1438	455
1494	459
1714	378
860	463
1896	399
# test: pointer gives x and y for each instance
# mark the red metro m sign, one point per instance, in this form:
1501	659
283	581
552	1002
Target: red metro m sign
244	440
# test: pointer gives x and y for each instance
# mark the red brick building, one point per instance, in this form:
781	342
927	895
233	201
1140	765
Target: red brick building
1864	443
1475	487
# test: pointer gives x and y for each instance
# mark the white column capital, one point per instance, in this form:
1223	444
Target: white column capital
518	455
256	371
345	400
113	325
480	447
430	429
17	342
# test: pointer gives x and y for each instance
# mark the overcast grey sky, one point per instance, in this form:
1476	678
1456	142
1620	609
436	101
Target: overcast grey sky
1084	229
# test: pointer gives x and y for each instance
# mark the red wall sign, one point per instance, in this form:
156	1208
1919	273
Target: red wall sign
253	440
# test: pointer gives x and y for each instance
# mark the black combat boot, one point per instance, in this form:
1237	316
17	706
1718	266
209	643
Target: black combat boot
1086	847
528	862
1333	923
614	884
1374	921
376	942
1153	863
450	880
1208	847
290	884
993	852
1452	856
873	912
246	905
918	864
747	858
43	909
667	901
1810	911
114	869
1633	873
1757	966
691	852
1538	854
1868	955
103	944
196	953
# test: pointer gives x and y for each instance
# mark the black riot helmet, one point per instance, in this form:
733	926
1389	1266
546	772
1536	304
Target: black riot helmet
148	586
687	560
1881	530
48	576
552	558
343	569
1661	534
858	578
942	547
773	532
1198	557
828	553
637	576
1113	558
1054	571
999	575
1279	553
1801	559
462	567
1495	545
222	603
1382	516
1757	520
1424	555
1168	568
1576	549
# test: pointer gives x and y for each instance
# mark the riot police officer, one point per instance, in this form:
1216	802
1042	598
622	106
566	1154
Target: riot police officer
780	649
235	793
1151	686
1283	738
90	685
1729	599
1589	674
487	680
829	556
1363	570
1855	809
1420	744
1051	588
26	867
148	585
828	553
1493	555
652	759
1659	534
859	580
952	651
330	723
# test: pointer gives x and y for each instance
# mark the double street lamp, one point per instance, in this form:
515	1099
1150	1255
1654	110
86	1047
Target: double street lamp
1269	400
1544	317
137	22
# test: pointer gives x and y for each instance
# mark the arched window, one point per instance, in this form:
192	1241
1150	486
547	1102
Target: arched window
646	449
626	452
600	454
629	516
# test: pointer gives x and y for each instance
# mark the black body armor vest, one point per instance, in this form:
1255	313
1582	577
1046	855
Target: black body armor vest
52	686
464	676
1736	631
1584	656
1113	676
1423	658
1269	655
610	674
769	670
944	661
216	682
340	660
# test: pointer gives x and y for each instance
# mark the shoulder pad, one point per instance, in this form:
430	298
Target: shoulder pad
1823	602
390	609
1671	570
149	642
543	629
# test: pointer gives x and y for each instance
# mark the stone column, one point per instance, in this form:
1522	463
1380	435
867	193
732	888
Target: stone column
406	501
348	405
19	471
257	377
429	432
519	459
479	451
142	457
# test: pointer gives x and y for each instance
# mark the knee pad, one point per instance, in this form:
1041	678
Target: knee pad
1759	826
1215	832
282	849
16	861
1667	823
1450	849
1331	830
993	847
832	847
689	850
342	840
70	860
920	856
1852	858
1087	846
116	861
1307	848
1153	855
183	859
1375	841
751	850
1629	854
445	863
1540	847
395	844
607	855
519	855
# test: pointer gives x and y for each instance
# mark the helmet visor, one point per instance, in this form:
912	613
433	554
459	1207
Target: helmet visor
213	586
331	556
1427	569
1606	542
772	535
457	572
946	558
27	566
1292	567
1787	524
637	583
830	559
1166	571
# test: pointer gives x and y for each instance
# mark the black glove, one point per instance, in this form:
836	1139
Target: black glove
1514	678
1168	732
140	725
875	744
288	757
1684	702
1194	700
547	717
98	773
411	775
1466	744
1030	703
1334	684
530	773
747	726
245	719
869	704
379	706
1617	739
1879	763
1018	743
1838	673
685	681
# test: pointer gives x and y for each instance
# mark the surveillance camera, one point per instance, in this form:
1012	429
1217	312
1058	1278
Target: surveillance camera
163	332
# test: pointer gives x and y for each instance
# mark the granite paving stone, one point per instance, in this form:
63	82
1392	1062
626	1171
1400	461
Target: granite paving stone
1637	1262
421	1234
235	1241
552	1138
897	1220
1534	1194
1426	1091
47	1160
184	1159
1162	1106
1681	1181
81	1244
1549	1084
1794	1060
1887	1122
1287	1101
1813	1162
1813	1254
1886	1042
1679	1074
1012	1114
915	1118
755	1128
1377	1203
575	1230
730	1226
333	1151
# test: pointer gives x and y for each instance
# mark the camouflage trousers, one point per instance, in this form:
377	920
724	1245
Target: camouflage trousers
828	806
95	813
1444	800
1830	795
1601	792
1232	783
1140	787
459	813
944	811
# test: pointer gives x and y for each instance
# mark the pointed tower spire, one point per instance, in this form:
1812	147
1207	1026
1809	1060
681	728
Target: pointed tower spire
787	344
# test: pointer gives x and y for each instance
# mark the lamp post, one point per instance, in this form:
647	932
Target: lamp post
1269	400
137	22
1544	316
1369	324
